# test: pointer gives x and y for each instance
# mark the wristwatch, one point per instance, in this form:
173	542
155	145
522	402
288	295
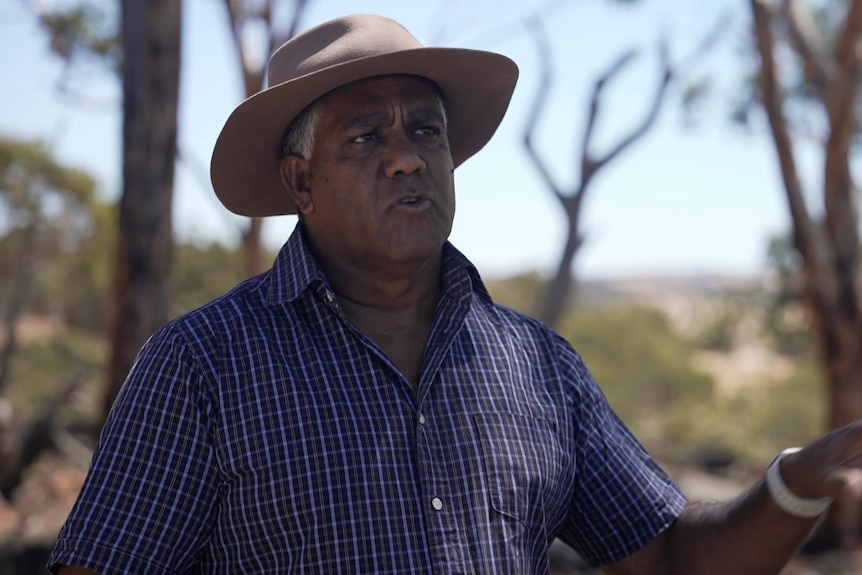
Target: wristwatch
786	499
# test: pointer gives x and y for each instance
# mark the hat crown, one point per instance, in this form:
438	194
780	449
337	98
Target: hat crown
246	160
338	42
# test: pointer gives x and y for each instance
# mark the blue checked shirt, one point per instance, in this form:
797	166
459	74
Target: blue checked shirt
263	433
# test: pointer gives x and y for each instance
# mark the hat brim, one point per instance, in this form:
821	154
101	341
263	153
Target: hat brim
245	169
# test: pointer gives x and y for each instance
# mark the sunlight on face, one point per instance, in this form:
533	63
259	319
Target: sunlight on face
380	177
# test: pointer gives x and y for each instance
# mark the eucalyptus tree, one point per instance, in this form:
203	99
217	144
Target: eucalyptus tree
808	85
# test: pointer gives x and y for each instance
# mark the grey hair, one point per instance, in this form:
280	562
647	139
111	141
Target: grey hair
298	138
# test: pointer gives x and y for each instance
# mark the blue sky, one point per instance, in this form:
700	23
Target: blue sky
682	201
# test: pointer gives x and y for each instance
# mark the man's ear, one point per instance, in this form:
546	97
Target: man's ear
296	180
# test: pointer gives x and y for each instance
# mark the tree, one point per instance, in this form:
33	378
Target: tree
826	51
559	287
150	70
44	209
785	320
43	204
146	53
254	30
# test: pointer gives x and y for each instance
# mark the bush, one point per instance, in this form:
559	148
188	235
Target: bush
44	367
641	363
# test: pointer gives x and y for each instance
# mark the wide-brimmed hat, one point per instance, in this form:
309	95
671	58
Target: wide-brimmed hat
245	167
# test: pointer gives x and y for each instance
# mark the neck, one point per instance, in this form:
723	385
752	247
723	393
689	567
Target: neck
395	310
378	289
390	307
383	286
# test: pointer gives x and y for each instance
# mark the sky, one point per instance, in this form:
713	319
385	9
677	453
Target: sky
701	198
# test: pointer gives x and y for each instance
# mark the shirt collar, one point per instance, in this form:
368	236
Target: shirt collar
460	277
295	270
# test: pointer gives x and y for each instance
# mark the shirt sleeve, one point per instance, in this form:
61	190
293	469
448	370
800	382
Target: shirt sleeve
622	498
152	487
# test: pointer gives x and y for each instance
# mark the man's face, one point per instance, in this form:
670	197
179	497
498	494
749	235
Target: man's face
380	186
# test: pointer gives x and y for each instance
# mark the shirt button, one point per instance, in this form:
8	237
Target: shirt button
329	296
437	504
421	419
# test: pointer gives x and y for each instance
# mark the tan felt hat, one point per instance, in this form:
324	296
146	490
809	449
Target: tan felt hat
476	86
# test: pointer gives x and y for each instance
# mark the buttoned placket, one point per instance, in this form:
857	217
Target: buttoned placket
441	497
440	503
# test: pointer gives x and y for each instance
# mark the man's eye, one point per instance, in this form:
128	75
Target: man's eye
428	131
363	138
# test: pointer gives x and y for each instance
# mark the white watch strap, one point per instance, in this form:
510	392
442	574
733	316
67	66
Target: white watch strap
786	499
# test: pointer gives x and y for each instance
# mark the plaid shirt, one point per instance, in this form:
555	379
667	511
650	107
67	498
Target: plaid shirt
263	433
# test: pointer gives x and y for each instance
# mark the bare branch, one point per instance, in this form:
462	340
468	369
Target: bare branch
277	38
842	217
588	164
539	35
298	10
669	72
33	438
234	18
847	48
810	47
639	131
557	290
804	230
846	88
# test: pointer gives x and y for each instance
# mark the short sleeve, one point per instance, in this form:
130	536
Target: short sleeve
622	498
152	488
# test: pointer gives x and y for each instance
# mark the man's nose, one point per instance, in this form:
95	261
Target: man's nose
401	156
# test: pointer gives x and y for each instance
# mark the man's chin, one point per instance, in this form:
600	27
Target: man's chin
415	253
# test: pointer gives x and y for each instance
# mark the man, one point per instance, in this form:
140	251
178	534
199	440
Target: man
364	407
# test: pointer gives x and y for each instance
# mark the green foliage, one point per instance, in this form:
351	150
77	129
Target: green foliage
726	318
35	187
76	283
786	321
642	364
719	332
754	423
46	365
647	370
55	236
517	292
790	412
88	30
52	220
202	272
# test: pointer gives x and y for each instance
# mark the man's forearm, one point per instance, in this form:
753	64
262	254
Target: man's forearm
750	535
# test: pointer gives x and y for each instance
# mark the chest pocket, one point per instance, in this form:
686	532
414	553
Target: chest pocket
523	461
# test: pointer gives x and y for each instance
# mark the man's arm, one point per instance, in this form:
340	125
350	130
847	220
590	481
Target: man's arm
748	535
752	534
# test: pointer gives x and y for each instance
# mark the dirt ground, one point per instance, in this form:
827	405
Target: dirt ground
30	521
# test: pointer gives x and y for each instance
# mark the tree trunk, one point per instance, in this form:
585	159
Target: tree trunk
252	233
19	290
557	293
151	64
252	248
242	12
839	342
830	249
